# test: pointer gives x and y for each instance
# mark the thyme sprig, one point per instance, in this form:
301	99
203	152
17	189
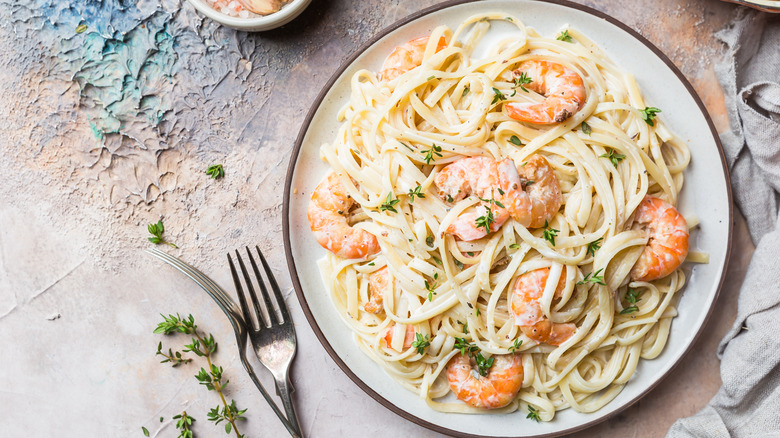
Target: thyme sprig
389	204
632	296
516	346
498	96
564	36
183	423
228	413
533	414
483	364
522	80
614	157
417	191
174	357
648	114
431	287
595	246
215	171
550	233
429	153
212	377
593	277
465	347
421	343
157	230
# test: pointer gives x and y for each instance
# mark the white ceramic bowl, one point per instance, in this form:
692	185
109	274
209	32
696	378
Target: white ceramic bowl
253	24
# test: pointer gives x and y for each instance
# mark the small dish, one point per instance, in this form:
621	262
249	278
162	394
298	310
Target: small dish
254	24
761	5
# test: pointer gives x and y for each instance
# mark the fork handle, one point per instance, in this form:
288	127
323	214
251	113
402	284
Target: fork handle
284	388
290	428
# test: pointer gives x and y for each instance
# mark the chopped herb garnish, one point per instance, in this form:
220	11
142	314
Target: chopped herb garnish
483	364
389	204
486	221
593	277
500	192
416	192
465	347
215	171
477	311
632	296
470	254
449	198
594	246
515	140
458	263
429	240
521	80
143	429
437	260
431	286
614	157
509	19
586	129
648	114
514	246
492	201
564	36
516	346
498	96
406	146
533	414
629	309
550	233
465	327
421	343
429	153
528	183
430	77
466	90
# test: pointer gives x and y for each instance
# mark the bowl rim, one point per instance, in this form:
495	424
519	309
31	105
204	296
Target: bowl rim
291	8
286	228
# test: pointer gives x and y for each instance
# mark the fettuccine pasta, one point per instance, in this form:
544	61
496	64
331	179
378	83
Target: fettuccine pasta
502	229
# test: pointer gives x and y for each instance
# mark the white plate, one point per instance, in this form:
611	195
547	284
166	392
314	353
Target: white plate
706	193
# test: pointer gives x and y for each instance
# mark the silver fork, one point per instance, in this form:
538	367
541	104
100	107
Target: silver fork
273	338
233	313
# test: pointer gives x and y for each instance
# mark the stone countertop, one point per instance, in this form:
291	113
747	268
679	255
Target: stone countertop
109	129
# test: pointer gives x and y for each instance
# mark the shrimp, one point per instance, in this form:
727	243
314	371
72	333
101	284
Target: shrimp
528	311
406	57
378	282
495	390
408	336
562	87
328	209
531	195
667	246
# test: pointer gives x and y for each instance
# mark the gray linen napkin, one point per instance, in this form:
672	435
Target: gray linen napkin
748	404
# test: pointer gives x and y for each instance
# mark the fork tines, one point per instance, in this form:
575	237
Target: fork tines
269	316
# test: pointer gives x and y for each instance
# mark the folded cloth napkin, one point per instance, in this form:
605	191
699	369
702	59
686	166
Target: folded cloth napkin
748	404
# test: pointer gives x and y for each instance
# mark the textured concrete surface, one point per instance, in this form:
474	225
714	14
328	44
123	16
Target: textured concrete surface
109	129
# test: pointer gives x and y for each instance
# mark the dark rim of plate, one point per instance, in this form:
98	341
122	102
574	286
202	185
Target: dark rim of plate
288	191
